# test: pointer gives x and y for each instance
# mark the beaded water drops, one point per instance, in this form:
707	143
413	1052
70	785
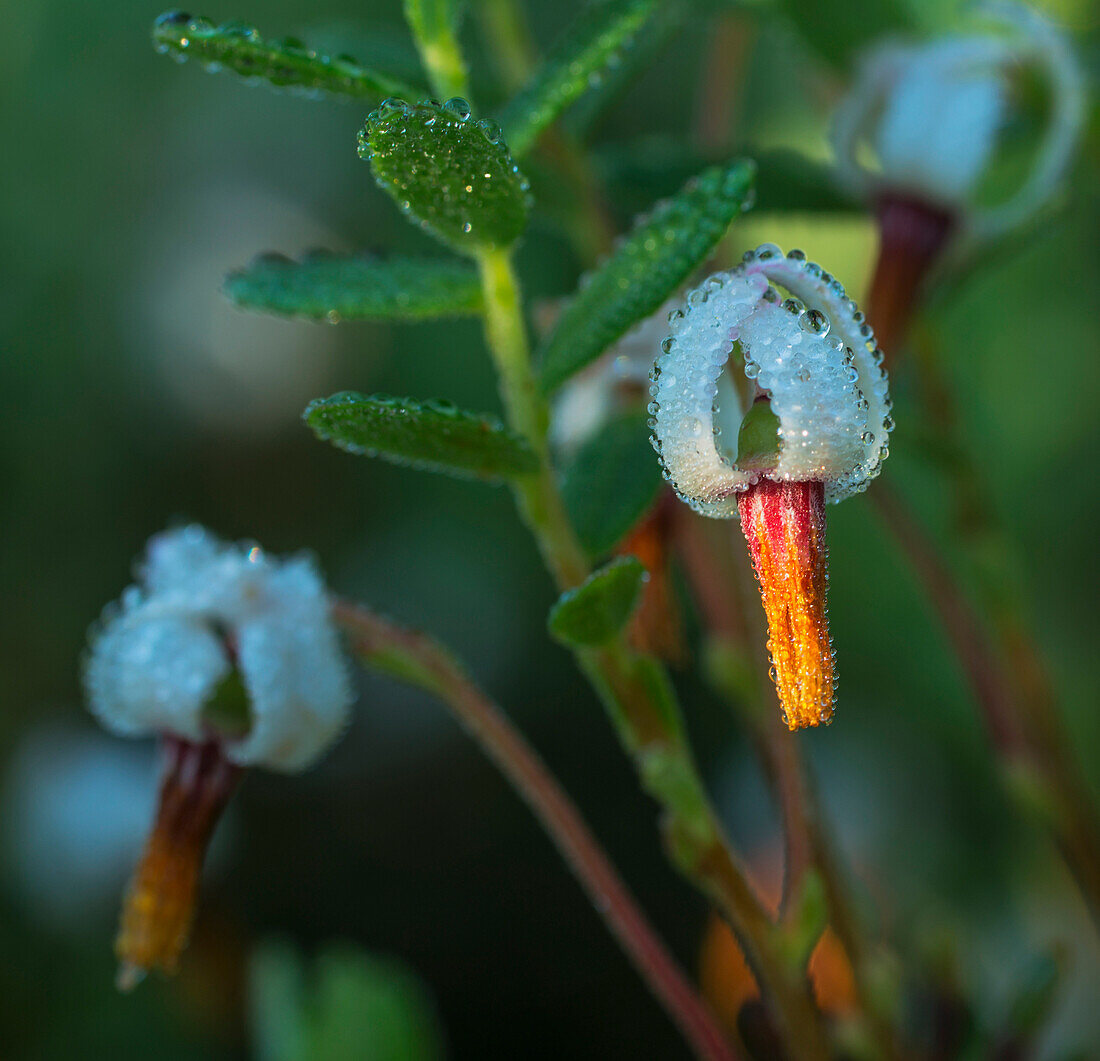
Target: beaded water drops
806	421
229	655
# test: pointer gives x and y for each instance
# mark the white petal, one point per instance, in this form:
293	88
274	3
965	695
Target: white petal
152	671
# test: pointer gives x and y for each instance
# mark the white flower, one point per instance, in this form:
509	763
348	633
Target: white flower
203	608
812	355
931	113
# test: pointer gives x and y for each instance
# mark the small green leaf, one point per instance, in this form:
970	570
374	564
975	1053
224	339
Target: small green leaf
452	174
592	44
611	483
805	921
333	288
598	609
663	249
288	63
758	438
433	435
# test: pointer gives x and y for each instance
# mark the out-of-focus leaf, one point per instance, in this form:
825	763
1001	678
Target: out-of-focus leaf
611	483
838	29
433	435
592	44
452	174
642	170
287	63
645	268
339	287
600	607
350	1006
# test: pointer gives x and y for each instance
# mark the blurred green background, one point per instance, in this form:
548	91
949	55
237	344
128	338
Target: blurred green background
135	397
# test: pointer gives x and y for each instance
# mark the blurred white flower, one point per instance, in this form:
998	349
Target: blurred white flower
932	113
204	608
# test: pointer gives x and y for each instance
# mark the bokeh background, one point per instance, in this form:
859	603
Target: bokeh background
135	397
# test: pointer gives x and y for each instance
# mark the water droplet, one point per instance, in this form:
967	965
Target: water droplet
796	255
815	322
458	107
794	305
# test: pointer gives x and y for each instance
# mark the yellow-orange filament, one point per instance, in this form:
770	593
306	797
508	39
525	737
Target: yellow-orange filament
784	525
160	900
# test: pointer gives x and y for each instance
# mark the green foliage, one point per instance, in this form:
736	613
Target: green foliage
838	29
350	1007
361	287
287	63
597	610
805	920
434	435
452	174
758	438
611	483
591	45
434	24
641	170
660	253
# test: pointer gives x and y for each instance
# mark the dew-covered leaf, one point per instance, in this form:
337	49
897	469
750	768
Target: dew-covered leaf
434	435
333	288
287	63
647	266
447	171
600	607
611	483
590	46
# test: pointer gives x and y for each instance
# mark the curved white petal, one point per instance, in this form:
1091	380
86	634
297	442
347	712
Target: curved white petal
152	670
815	358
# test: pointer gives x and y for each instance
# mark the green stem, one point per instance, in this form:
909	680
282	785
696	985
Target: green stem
439	50
637	693
419	660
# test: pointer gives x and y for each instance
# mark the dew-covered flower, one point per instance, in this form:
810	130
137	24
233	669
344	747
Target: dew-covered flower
806	421
918	134
229	655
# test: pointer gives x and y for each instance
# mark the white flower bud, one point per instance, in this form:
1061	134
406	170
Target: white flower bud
931	114
204	607
813	356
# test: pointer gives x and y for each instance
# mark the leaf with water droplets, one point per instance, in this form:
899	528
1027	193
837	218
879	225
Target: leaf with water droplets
645	268
334	287
600	607
452	174
434	435
239	47
591	45
611	483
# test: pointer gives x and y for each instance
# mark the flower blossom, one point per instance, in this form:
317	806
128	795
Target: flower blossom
229	655
932	115
812	427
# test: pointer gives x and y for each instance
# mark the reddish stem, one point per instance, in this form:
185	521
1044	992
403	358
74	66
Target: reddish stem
912	235
373	636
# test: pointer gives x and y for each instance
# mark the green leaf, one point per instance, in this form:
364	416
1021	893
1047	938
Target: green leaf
452	174
356	288
660	253
433	435
288	63
348	1006
611	483
597	610
592	44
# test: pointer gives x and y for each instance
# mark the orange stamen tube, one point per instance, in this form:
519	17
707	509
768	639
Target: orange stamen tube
160	901
784	525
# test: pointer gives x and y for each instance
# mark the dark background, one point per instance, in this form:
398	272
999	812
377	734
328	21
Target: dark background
135	397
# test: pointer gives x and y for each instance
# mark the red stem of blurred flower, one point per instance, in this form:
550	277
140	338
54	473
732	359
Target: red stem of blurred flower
419	659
